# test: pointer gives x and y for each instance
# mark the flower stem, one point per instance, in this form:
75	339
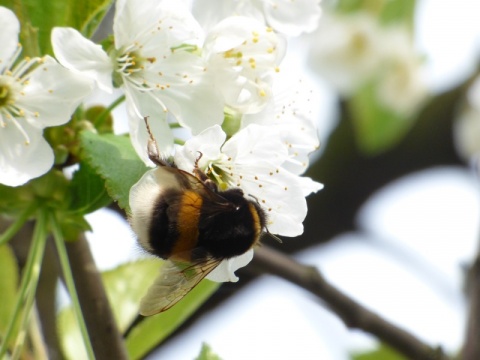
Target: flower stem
28	285
104	114
67	273
25	319
17	224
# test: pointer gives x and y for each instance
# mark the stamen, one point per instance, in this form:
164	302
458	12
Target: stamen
15	56
21	72
20	128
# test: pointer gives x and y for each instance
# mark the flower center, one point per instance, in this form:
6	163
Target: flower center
128	63
358	44
221	172
9	112
7	97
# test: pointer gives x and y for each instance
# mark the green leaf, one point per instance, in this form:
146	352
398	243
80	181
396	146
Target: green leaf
115	160
88	191
154	329
125	286
387	11
8	286
348	6
377	127
37	18
14	200
382	353
51	187
206	353
398	11
69	335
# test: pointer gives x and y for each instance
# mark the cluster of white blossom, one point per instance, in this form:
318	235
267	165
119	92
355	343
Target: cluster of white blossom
354	49
35	93
217	76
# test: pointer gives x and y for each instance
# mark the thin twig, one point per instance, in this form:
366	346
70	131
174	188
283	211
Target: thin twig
353	314
106	340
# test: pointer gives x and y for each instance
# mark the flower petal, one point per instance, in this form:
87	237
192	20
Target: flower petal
78	53
140	105
52	94
8	36
171	21
191	97
21	162
291	112
292	17
245	54
208	142
226	270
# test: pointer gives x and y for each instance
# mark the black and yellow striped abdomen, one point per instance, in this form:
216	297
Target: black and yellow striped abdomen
188	226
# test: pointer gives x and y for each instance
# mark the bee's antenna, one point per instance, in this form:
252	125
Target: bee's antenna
273	236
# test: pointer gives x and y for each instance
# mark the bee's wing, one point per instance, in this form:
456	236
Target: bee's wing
173	283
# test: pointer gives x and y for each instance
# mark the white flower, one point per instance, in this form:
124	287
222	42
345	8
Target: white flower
401	86
34	93
285	16
154	61
244	54
354	50
290	112
291	17
347	50
252	160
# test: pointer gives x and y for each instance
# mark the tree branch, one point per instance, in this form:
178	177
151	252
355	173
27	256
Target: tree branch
106	340
471	347
353	314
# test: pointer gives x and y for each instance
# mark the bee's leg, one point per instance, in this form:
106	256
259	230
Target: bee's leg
196	170
202	176
152	148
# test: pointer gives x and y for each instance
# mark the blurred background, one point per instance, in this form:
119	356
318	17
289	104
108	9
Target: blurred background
396	226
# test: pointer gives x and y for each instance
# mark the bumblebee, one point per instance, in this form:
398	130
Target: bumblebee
185	219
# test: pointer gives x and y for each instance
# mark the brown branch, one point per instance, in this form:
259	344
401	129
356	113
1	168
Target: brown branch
353	314
45	299
106	340
471	347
